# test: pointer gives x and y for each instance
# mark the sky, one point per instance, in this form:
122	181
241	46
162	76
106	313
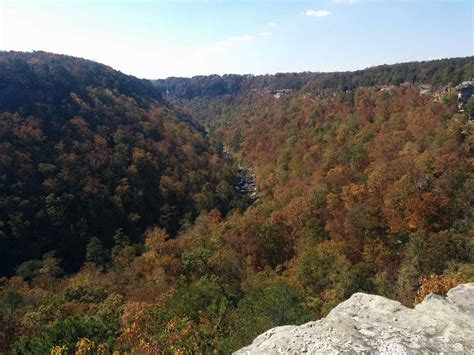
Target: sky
157	39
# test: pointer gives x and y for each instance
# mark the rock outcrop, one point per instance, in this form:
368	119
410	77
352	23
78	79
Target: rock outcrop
373	324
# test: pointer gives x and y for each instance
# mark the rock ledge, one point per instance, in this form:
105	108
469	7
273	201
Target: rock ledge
373	324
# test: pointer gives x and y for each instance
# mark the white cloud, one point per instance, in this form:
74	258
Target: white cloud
243	38
271	24
39	30
222	47
204	58
317	13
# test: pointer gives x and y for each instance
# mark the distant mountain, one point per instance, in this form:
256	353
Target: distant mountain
436	72
86	151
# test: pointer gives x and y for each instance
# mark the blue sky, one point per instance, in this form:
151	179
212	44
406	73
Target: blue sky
156	39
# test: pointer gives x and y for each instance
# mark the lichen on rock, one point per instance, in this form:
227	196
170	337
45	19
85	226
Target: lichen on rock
374	324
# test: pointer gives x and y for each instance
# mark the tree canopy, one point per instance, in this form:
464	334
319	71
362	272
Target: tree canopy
122	227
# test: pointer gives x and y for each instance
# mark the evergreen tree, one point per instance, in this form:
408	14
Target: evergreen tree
95	252
121	241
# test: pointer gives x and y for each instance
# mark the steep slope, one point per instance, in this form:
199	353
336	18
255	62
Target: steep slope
33	80
373	324
86	151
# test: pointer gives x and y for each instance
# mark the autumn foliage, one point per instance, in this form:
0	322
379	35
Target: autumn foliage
439	285
122	229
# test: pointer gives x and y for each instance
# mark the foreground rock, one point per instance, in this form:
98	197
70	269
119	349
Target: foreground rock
374	324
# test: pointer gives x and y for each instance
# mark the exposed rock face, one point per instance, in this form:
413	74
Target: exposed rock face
373	324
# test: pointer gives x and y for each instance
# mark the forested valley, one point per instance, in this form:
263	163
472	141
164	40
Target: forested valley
122	227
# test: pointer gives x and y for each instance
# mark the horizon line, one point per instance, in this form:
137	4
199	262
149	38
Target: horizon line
246	74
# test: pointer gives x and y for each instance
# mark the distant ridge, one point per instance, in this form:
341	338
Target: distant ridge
438	73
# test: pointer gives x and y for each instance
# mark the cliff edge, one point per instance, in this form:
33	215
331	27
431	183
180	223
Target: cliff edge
374	324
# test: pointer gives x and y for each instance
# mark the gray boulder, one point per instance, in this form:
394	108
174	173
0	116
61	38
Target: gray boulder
373	324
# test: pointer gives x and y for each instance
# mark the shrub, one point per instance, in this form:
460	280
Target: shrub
67	333
439	285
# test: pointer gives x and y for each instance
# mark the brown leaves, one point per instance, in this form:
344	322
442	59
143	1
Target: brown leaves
436	284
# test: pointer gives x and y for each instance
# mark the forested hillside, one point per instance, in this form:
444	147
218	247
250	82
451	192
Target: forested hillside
368	189
87	152
436	72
